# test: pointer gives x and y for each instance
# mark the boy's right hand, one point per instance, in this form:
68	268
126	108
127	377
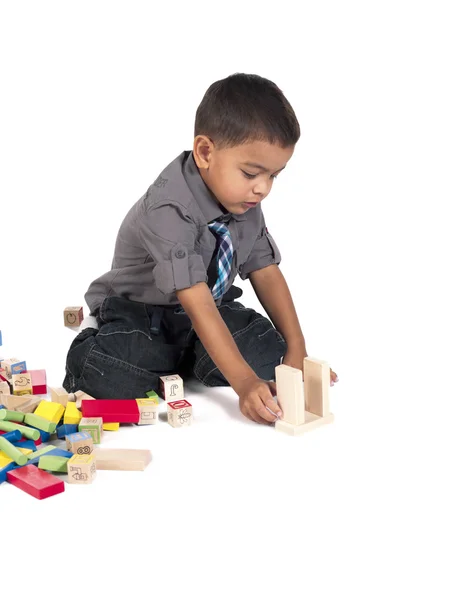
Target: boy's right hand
256	400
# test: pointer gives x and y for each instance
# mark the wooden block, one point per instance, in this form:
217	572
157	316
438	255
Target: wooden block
114	459
317	386
148	411
4	388
13	366
35	482
72	415
38	381
171	387
52	411
80	443
81	469
111	426
73	315
59	395
35	420
21	384
50	462
25	404
153	396
80	396
179	413
311	422
290	393
111	411
94	426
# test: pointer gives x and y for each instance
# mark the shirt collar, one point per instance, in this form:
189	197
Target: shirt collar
208	203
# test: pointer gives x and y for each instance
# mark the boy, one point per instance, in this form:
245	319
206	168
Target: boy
168	304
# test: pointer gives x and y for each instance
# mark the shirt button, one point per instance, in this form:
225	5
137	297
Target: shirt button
180	253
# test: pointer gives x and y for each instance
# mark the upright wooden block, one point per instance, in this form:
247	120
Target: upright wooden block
148	411
72	415
171	388
52	411
80	443
22	384
59	395
179	413
291	398
38	381
81	469
114	459
317	386
73	315
94	426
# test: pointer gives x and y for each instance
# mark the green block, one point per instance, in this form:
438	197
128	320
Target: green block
39	422
153	395
41	451
28	432
11	415
12	452
53	463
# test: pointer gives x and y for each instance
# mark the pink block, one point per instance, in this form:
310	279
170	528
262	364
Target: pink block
38	381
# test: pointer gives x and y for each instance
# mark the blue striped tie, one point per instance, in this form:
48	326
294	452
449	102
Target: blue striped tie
224	258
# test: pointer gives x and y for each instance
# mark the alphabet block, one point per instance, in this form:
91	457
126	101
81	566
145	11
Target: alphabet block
21	384
171	388
179	413
81	469
73	315
80	443
148	411
94	426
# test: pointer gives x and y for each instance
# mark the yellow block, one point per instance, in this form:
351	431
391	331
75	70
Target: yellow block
111	426
52	411
5	460
72	416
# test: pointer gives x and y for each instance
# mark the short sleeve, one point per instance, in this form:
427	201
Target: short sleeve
264	253
168	234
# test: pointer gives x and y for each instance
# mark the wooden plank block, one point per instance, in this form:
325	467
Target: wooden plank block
35	482
115	459
111	411
317	386
290	393
311	422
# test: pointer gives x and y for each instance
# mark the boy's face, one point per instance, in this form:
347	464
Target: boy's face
238	185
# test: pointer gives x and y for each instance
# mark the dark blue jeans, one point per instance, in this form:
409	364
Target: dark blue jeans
136	343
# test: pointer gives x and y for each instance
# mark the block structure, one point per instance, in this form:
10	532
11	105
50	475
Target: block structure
171	387
305	405
179	413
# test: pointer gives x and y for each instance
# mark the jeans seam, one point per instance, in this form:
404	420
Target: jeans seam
147	335
118	361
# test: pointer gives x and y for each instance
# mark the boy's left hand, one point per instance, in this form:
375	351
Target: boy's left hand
295	359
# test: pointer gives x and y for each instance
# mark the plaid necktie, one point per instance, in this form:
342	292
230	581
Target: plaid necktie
224	258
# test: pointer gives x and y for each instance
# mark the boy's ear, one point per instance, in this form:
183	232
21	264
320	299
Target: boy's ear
203	147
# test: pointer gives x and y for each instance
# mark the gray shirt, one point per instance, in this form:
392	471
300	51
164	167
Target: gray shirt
164	243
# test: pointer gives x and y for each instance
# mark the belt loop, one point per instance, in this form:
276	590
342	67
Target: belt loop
156	320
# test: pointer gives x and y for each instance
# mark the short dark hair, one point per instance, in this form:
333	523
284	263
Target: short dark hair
244	108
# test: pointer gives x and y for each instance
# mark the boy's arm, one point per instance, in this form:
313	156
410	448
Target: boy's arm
208	324
273	293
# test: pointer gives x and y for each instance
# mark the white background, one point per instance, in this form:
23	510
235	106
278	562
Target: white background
96	99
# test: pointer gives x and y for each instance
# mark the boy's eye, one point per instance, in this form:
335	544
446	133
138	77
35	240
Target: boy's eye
250	176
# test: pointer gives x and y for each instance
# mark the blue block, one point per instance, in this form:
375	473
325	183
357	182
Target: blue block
45	436
26	444
64	430
12	436
9	467
1	406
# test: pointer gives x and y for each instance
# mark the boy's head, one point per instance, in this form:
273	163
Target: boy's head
245	133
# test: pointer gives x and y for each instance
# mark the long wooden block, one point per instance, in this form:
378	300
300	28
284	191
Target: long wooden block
290	393
317	386
35	482
111	411
25	404
311	422
115	459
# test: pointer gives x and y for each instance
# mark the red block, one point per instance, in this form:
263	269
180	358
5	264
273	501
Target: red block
38	381
111	411
35	482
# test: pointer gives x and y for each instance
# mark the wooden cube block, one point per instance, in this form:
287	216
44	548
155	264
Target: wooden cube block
52	411
72	416
148	411
22	384
179	413
73	315
59	395
171	388
81	469
80	396
80	443
94	426
13	366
